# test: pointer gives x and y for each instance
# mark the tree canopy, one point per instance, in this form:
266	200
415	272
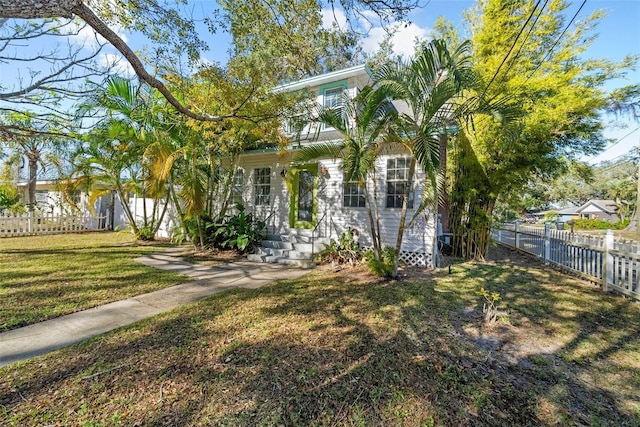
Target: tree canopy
289	29
528	55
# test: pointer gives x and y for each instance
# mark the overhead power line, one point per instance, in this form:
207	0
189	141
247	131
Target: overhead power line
504	60
614	144
575	15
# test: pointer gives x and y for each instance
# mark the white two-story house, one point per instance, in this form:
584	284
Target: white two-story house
312	202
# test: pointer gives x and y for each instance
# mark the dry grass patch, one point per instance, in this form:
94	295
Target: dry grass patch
342	348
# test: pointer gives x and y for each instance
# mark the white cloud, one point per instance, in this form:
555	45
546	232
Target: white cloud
83	35
117	64
402	41
333	16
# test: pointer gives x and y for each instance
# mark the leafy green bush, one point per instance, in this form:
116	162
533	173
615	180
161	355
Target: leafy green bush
10	199
382	267
146	233
599	224
240	231
346	250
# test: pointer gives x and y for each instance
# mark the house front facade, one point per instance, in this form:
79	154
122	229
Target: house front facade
606	210
314	199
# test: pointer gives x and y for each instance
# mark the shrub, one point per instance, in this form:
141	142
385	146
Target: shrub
382	267
240	231
146	233
346	250
489	306
599	224
10	199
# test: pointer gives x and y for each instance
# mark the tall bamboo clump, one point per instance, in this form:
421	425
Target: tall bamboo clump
471	202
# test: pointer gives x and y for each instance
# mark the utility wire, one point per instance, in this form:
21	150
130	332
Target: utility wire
533	11
546	57
512	61
613	145
575	15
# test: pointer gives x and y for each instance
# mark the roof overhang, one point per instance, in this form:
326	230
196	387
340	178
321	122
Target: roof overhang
324	78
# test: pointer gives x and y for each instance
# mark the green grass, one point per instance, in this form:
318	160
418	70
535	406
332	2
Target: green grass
346	349
43	277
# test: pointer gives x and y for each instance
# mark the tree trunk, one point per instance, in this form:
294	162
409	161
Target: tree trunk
34	9
377	213
403	215
472	201
228	186
127	209
156	226
33	158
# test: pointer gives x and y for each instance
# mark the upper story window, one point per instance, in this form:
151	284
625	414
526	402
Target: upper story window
333	98
262	186
398	182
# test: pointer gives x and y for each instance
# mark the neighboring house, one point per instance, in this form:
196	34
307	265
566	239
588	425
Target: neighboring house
599	209
313	201
567	214
50	198
594	209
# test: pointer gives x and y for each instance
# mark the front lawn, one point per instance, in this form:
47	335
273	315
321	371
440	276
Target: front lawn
343	348
42	277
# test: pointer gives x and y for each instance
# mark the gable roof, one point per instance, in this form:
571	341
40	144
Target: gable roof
607	206
568	211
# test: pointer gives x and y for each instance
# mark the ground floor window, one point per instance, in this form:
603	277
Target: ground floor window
398	182
353	195
42	196
262	186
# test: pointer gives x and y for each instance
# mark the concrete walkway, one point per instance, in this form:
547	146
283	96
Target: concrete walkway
41	338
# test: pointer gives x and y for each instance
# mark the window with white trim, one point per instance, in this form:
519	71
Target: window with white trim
353	194
262	186
42	196
333	98
398	181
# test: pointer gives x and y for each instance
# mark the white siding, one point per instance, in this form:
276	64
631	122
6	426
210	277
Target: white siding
276	214
333	218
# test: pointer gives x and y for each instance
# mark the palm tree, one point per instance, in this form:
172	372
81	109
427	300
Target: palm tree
114	151
364	124
430	84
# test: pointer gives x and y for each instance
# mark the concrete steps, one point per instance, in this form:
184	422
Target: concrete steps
294	247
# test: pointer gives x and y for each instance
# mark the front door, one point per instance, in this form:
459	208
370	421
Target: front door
304	197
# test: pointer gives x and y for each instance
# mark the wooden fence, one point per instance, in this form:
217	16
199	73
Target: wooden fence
612	263
32	223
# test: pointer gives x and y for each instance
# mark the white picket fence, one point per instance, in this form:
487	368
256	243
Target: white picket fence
612	263
33	223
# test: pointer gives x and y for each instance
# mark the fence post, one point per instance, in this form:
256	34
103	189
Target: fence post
30	222
607	261
517	234
547	243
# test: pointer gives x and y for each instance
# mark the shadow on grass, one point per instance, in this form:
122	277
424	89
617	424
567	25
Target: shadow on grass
331	350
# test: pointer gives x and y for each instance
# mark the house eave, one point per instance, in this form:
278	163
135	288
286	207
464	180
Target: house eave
323	78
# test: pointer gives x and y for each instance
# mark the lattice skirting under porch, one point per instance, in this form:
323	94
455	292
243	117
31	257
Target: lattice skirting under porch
414	259
418	259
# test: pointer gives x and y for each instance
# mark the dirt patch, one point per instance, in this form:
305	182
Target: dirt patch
212	257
